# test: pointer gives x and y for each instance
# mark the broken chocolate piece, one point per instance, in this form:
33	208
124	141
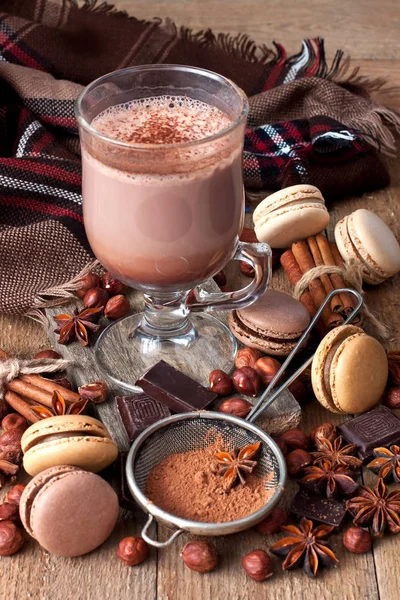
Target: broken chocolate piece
174	389
376	428
318	509
138	412
123	492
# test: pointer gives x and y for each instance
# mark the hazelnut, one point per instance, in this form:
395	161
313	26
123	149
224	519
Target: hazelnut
132	550
299	391
11	438
247	381
267	368
281	445
112	285
248	235
91	280
295	438
220	278
117	307
9	512
246	268
296	461
48	354
273	522
96	392
14	421
246	357
220	382
3	409
14	495
95	298
257	565
394	367
11	538
326	430
357	540
392	397
200	556
236	406
64	382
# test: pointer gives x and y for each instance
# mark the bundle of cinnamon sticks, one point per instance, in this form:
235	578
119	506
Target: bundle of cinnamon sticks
34	390
314	252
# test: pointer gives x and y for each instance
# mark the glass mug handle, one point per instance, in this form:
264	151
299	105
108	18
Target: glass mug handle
259	257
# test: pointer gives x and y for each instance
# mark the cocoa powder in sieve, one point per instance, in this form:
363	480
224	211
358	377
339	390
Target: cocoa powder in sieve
189	486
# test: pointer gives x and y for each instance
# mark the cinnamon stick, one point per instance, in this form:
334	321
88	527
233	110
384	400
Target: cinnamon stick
304	258
327	256
50	387
20	406
336	304
339	262
294	274
30	391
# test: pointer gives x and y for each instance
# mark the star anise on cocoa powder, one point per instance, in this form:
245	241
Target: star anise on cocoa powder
305	546
236	463
336	453
331	481
60	407
386	463
78	325
376	507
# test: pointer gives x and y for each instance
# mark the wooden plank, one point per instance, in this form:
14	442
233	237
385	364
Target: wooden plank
358	27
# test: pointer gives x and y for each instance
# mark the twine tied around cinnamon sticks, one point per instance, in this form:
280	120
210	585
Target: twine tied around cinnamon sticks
351	273
12	368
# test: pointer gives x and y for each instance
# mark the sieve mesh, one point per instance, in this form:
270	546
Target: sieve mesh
195	434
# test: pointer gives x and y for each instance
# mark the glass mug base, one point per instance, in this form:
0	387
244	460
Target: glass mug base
124	352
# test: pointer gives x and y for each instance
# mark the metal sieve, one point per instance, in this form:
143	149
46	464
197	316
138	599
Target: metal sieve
185	432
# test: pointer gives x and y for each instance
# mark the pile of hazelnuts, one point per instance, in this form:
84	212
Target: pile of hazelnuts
11	535
253	372
104	292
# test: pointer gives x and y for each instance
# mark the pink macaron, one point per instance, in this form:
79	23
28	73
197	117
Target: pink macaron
69	511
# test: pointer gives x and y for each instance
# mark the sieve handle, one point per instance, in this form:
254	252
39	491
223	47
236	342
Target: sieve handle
154	543
266	399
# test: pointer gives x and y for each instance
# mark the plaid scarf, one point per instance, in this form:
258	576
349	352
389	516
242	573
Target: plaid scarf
304	126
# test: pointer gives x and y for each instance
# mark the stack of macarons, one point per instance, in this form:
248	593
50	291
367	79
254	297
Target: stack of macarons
289	215
76	440
349	371
68	511
364	237
273	324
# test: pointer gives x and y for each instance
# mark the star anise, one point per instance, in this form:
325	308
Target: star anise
78	325
236	463
305	546
336	453
329	480
386	463
376	507
60	407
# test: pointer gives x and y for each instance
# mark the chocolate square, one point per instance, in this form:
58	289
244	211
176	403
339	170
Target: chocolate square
139	411
318	509
376	428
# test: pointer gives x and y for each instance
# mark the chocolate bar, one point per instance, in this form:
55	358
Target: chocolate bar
174	389
318	508
124	495
376	428
139	411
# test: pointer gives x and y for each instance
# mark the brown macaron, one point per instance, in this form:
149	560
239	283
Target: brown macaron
70	512
349	371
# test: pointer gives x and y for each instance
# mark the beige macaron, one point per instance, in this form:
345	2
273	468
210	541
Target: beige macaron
290	215
75	440
349	371
364	237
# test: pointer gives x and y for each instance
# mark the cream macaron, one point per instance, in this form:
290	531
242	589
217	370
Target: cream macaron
75	440
290	215
349	371
365	238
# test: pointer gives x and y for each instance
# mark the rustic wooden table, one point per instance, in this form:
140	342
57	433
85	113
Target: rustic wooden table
369	31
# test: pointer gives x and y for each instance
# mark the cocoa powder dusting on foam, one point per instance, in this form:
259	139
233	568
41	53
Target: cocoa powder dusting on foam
161	120
189	486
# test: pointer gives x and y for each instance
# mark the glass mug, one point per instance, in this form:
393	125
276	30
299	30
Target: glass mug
165	218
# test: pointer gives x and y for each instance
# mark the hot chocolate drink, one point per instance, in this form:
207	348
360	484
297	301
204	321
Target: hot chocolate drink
171	220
